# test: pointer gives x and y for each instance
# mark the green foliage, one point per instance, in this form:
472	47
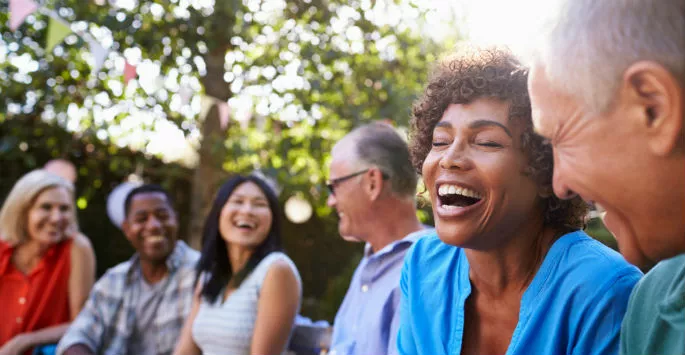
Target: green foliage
597	230
314	68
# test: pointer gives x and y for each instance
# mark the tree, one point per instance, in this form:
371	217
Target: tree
313	69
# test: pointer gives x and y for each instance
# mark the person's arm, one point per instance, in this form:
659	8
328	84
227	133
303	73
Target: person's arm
279	299
78	349
24	341
186	345
82	276
88	328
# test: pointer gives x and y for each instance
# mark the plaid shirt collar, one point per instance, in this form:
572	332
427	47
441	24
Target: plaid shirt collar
173	261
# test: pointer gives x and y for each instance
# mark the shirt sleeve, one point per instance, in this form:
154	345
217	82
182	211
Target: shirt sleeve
604	317
405	338
89	326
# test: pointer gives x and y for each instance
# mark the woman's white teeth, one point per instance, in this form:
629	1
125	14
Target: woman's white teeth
445	190
450	207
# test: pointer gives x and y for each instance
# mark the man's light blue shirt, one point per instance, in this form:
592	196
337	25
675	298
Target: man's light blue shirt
367	320
574	304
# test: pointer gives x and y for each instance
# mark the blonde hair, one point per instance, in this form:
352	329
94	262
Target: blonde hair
14	212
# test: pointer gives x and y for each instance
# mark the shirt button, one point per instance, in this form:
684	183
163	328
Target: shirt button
22	300
365	288
19	320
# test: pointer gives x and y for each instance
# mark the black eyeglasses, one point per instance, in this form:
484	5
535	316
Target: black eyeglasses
330	184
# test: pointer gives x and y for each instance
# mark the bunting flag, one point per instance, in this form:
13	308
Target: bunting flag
19	10
57	30
224	113
99	54
129	72
185	92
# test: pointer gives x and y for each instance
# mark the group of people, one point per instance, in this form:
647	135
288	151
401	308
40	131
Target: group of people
511	155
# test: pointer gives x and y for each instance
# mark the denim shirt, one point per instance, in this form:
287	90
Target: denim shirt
367	321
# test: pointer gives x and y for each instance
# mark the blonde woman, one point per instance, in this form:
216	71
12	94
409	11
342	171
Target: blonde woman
46	266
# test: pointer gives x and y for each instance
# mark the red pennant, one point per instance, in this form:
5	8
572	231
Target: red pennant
129	72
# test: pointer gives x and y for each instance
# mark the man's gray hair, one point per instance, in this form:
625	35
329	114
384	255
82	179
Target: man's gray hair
588	46
377	144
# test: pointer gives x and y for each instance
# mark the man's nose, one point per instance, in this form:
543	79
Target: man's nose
153	223
330	201
561	189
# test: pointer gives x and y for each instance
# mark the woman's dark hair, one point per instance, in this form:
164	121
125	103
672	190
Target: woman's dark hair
472	74
214	259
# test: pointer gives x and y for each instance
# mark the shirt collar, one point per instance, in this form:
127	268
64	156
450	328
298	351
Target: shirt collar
409	238
6	251
173	261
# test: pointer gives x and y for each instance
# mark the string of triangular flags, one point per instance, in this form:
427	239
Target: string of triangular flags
59	29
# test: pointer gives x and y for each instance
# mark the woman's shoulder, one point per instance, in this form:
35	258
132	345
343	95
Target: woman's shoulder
278	259
584	263
82	254
581	250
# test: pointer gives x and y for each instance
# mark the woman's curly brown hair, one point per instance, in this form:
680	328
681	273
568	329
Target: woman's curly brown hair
491	73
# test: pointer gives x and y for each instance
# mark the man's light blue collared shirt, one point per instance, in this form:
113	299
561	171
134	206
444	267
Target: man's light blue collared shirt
367	321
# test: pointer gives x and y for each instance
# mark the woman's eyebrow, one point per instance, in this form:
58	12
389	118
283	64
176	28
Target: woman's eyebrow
486	123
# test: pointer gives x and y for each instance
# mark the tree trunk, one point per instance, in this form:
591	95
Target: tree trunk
209	173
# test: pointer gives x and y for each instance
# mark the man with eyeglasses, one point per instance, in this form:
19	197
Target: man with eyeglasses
372	187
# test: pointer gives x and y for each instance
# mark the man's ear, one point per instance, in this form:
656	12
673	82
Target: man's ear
126	228
659	98
375	183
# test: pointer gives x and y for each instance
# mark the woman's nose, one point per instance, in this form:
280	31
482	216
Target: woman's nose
455	157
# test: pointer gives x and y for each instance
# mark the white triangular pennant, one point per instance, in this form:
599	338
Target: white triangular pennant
99	54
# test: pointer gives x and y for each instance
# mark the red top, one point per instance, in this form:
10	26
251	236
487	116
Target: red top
39	299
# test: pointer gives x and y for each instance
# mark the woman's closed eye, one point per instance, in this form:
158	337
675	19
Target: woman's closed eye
489	144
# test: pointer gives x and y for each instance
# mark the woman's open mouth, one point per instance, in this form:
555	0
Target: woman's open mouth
453	200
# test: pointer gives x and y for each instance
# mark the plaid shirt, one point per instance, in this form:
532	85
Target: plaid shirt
107	320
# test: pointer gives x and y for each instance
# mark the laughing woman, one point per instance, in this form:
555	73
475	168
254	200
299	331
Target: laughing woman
509	271
46	266
249	291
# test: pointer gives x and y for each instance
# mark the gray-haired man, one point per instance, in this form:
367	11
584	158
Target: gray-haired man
608	90
372	187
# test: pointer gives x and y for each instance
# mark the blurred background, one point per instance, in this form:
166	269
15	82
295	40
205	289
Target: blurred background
185	93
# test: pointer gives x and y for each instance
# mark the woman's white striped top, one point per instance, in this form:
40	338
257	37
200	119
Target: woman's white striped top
227	327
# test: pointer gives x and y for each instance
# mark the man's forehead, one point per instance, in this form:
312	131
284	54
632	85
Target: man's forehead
147	200
544	99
